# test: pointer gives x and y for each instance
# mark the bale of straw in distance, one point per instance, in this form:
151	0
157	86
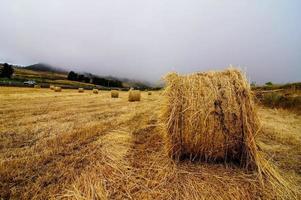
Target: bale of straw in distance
57	89
52	87
134	95
95	91
114	93
210	117
149	93
37	86
80	90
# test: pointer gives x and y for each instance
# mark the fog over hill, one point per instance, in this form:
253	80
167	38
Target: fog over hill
126	81
46	68
146	39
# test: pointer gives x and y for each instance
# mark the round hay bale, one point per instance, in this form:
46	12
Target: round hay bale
81	90
149	93
52	87
114	93
95	91
210	117
37	86
57	89
134	95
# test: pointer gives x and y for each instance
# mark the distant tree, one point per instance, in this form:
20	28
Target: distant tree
106	82
80	78
114	83
72	76
269	83
99	81
86	79
7	71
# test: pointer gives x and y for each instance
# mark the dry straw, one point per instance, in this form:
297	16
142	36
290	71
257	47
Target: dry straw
52	87
80	90
37	86
149	93
211	117
57	89
95	91
134	95
114	93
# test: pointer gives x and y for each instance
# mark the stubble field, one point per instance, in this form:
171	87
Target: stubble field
70	145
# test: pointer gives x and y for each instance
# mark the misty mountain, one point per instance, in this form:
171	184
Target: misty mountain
125	81
45	68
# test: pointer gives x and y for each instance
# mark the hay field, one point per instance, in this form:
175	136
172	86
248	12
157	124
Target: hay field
71	145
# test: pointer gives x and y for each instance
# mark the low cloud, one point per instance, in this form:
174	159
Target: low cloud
146	39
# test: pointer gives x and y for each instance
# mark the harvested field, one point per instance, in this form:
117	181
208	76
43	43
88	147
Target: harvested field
68	145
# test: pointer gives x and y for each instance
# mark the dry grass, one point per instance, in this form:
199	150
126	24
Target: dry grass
114	93
37	86
282	139
134	95
72	146
29	74
81	90
211	117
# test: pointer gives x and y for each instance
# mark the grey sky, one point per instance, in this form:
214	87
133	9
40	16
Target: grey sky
144	39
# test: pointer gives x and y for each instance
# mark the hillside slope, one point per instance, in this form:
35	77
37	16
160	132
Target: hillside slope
46	75
45	68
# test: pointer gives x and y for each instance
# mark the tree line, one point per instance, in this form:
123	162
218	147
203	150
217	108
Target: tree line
94	80
6	71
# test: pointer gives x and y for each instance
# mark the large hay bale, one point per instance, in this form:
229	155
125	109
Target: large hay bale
210	117
81	90
134	95
52	87
37	86
114	93
57	89
149	93
95	91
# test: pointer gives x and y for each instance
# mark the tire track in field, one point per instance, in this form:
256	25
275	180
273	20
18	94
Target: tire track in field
115	168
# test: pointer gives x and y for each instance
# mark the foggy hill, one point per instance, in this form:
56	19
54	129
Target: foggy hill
45	68
125	81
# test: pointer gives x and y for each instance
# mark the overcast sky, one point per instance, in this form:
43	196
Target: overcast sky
144	39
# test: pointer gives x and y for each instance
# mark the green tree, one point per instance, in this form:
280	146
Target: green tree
80	77
72	76
269	83
6	71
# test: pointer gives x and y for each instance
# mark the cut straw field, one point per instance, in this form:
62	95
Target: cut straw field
71	145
